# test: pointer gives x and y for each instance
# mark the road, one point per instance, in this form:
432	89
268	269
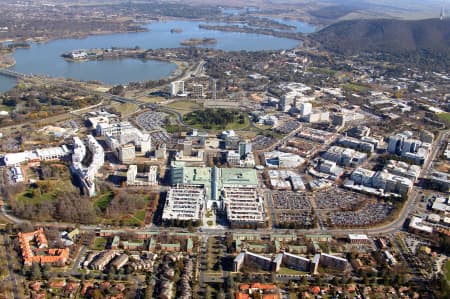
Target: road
76	264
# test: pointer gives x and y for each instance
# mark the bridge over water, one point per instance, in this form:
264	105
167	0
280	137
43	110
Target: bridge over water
11	73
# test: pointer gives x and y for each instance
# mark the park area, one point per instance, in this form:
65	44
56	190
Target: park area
217	119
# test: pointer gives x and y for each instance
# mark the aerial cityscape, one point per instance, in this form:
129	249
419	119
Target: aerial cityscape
224	149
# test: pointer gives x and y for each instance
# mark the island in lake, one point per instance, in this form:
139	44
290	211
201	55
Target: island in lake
199	41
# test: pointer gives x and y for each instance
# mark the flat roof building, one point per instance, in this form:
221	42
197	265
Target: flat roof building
213	180
184	204
243	205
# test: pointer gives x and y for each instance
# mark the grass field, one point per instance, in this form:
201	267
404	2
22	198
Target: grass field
148	99
288	271
6	108
445	117
140	215
356	87
123	219
184	107
193	121
125	108
99	243
31	195
103	200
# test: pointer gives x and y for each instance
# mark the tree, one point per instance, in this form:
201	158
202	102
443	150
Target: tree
36	272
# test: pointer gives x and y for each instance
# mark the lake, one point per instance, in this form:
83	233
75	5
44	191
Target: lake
45	58
6	83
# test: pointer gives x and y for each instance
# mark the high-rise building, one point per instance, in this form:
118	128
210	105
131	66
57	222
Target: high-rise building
197	91
176	87
214	89
245	147
305	109
126	152
131	174
395	144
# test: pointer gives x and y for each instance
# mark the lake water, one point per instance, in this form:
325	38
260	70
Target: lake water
46	58
6	83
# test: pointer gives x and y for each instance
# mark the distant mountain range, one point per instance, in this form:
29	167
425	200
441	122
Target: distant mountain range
391	36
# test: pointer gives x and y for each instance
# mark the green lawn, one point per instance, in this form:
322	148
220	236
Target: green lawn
445	117
103	200
288	271
184	107
356	87
53	187
140	215
6	108
197	119
99	243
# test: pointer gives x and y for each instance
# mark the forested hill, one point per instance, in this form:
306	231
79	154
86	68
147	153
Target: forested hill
390	36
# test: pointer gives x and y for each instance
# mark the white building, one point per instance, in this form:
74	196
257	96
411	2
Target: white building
35	156
79	150
131	174
383	180
87	174
404	145
277	159
417	224
233	158
119	136
176	88
316	117
149	179
243	205
344	156
184	204
305	109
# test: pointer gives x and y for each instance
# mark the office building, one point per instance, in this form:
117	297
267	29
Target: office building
344	156
305	109
243	206
176	88
197	91
36	156
126	153
213	180
245	147
86	175
233	158
356	144
184	204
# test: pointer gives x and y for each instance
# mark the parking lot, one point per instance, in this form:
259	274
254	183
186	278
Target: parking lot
373	212
335	198
151	120
298	219
292	209
287	127
262	142
161	137
291	201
